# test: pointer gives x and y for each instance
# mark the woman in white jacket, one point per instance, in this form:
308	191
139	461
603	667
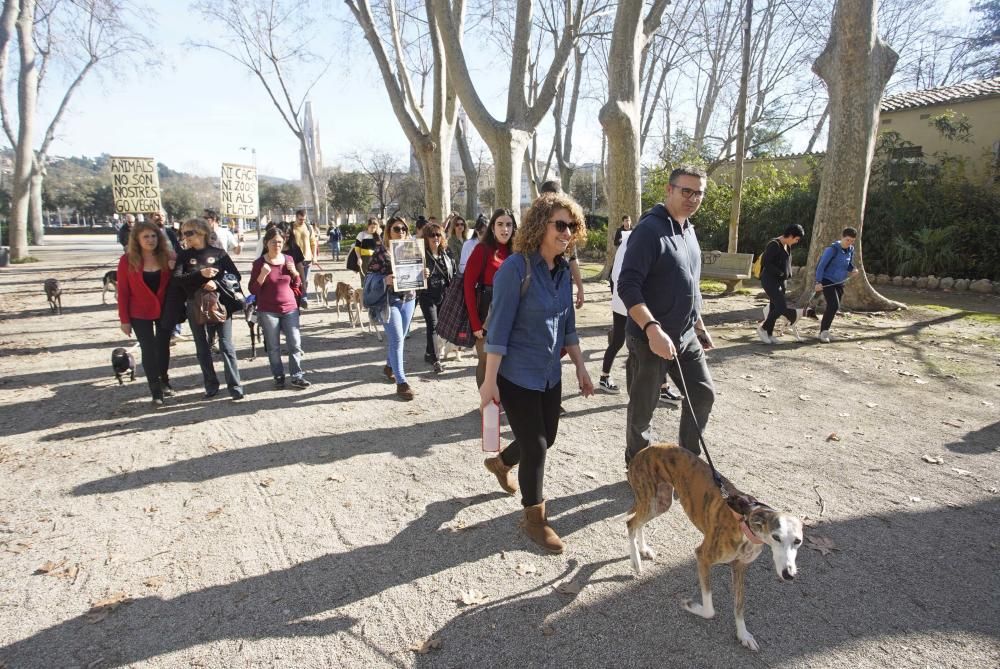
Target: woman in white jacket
616	337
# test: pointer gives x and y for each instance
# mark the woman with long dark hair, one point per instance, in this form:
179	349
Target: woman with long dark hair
143	279
274	280
485	260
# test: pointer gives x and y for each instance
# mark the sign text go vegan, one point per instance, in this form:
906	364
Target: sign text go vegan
135	185
239	190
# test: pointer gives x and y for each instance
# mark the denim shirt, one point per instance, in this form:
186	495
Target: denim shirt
530	332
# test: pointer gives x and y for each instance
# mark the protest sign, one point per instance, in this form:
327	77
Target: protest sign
407	261
239	190
135	185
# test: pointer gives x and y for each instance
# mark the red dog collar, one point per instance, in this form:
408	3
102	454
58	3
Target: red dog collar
749	533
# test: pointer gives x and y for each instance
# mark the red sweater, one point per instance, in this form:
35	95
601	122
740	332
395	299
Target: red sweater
487	257
135	299
275	295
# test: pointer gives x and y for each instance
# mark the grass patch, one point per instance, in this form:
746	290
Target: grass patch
712	286
24	260
590	270
982	317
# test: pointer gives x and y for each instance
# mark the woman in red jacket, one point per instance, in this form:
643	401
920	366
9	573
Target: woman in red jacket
483	264
143	277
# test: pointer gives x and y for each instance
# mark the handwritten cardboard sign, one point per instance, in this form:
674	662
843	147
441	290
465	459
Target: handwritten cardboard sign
135	184
238	187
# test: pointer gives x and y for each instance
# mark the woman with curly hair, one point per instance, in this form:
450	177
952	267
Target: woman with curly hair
485	260
143	278
532	319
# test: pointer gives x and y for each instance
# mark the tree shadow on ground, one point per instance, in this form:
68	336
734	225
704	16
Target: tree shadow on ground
276	604
983	440
892	577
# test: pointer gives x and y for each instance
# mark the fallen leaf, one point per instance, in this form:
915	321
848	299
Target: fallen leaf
472	598
822	544
920	381
427	646
150	509
336	477
833	436
805	398
747	376
154	582
590	475
986	403
933	459
961	472
843	415
548	630
569	588
871	405
770	412
914	498
102	608
525	568
19	547
50	567
70	573
213	513
266	483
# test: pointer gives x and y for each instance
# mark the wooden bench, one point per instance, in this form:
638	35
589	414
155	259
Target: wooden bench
730	268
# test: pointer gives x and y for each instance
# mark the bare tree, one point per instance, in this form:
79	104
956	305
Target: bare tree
620	115
429	131
855	66
384	171
741	136
470	168
508	139
20	16
271	39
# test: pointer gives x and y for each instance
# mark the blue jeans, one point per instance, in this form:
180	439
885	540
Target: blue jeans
400	315
274	325
201	335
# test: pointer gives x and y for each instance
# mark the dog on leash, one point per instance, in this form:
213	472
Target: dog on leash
345	293
256	333
122	362
735	531
110	282
445	348
321	282
53	293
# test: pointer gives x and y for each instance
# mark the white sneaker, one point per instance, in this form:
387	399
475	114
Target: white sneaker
608	386
795	325
766	310
825	337
764	337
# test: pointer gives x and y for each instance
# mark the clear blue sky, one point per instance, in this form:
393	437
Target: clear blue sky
199	108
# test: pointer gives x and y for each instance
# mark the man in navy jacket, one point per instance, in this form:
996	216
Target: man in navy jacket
659	284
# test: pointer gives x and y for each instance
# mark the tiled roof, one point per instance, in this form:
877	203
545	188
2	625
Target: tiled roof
970	90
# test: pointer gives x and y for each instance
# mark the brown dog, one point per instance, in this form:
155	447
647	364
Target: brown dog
53	293
730	538
321	282
345	293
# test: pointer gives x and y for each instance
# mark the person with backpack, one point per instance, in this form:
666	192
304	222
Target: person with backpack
775	270
333	237
398	307
531	320
834	268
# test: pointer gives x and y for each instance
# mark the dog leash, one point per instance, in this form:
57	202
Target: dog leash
716	476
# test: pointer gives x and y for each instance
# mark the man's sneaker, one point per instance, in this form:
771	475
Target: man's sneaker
279	382
764	337
608	386
825	337
668	395
299	382
438	368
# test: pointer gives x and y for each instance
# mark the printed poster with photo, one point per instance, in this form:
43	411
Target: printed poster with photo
407	259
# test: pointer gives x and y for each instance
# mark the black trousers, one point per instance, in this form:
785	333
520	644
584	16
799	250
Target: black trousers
429	308
154	344
775	289
534	419
615	341
832	294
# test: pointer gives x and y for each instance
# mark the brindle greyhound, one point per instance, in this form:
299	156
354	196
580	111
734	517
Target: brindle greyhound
735	529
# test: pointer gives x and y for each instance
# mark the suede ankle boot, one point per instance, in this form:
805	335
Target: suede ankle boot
503	473
536	526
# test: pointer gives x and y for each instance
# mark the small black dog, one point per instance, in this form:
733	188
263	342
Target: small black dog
53	293
123	363
110	282
256	332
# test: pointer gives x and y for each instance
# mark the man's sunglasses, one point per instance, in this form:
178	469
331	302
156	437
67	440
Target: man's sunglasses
563	226
691	193
189	233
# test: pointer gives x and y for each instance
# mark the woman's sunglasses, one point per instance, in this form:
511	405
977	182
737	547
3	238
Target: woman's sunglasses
563	226
189	233
400	229
435	234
